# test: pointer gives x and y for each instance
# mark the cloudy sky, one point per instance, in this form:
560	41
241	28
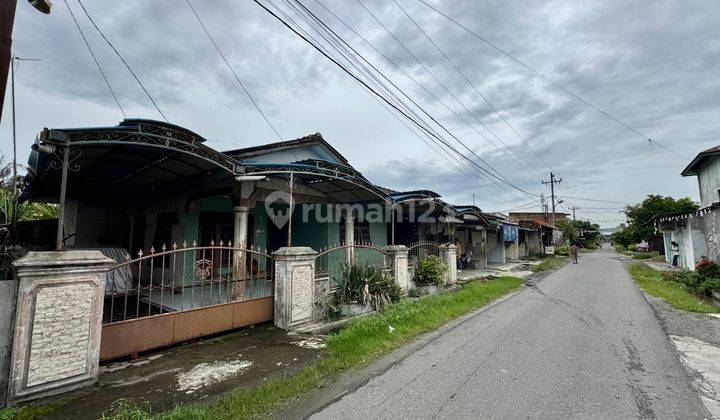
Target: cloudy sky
654	64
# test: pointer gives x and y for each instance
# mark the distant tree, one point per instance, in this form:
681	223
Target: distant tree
582	232
641	217
25	210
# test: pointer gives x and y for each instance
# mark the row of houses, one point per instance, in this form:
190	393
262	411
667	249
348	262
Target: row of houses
161	239
696	233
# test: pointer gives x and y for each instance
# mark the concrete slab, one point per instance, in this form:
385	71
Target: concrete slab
201	370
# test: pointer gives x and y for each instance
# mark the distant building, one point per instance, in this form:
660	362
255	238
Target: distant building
697	232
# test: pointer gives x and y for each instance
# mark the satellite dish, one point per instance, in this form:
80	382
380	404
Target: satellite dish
42	5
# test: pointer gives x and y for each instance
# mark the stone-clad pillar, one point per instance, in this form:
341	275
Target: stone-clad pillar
239	257
294	286
398	256
350	235
58	322
448	253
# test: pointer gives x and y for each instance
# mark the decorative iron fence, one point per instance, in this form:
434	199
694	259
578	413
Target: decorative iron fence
184	278
420	250
329	265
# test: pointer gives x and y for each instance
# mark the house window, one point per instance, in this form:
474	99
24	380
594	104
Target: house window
362	231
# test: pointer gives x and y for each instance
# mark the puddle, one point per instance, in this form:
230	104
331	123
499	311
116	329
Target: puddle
206	374
310	343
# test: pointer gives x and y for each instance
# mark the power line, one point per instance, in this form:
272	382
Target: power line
363	83
137	79
361	67
443	85
97	63
469	82
217	48
554	83
593	199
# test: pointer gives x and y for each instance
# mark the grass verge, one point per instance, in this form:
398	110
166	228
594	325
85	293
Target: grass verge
549	263
359	343
651	281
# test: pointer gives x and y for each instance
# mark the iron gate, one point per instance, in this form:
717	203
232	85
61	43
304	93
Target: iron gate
180	293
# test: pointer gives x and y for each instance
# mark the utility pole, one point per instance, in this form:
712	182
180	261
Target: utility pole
552	183
573	210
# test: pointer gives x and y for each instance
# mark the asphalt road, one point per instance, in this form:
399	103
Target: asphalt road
582	343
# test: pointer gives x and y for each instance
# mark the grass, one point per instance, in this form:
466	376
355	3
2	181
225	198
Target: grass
675	294
644	255
358	344
550	263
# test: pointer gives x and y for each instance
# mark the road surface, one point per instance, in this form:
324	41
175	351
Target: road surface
582	343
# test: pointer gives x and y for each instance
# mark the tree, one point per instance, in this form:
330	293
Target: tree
581	232
641	217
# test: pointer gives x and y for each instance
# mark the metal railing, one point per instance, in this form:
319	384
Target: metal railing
420	250
184	278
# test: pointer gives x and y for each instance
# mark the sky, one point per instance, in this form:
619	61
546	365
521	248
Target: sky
652	64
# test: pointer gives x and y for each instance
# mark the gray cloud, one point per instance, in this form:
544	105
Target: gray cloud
653	64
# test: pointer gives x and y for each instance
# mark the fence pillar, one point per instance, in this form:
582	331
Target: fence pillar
58	322
398	255
448	253
294	286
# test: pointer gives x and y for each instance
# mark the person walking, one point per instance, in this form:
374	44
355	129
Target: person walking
574	253
675	248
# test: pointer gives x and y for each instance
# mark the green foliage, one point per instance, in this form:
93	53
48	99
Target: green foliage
431	270
580	232
362	341
632	247
644	255
415	292
550	263
353	281
703	281
671	289
641	217
562	250
620	248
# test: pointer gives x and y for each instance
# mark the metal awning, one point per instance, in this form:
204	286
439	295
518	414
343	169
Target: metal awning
136	156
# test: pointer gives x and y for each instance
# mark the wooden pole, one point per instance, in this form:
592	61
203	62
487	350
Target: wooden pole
7	19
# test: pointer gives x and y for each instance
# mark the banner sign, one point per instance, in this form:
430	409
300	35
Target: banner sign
510	233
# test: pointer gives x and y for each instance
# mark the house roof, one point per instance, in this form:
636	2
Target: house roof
694	166
322	150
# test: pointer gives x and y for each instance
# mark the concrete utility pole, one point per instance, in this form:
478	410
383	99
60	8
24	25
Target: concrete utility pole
552	183
573	210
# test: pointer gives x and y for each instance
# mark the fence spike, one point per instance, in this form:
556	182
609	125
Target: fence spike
221	242
212	242
163	248
152	249
194	243
140	253
229	244
184	244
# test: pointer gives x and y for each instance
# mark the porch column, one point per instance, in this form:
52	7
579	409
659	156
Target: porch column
448	254
239	242
58	322
398	256
349	235
294	286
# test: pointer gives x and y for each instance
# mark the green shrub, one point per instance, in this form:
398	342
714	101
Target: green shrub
591	247
644	255
354	277
431	270
709	286
562	250
632	247
703	281
619	248
415	292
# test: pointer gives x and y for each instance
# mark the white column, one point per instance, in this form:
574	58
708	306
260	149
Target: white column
239	242
398	256
448	253
349	234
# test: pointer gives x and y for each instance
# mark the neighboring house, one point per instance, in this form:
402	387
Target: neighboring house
472	233
545	235
697	233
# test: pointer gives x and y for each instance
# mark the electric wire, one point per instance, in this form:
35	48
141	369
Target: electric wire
237	78
117	53
554	83
472	85
97	63
338	42
373	91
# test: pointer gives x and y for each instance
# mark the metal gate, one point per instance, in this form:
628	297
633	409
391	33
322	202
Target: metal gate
329	265
181	293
